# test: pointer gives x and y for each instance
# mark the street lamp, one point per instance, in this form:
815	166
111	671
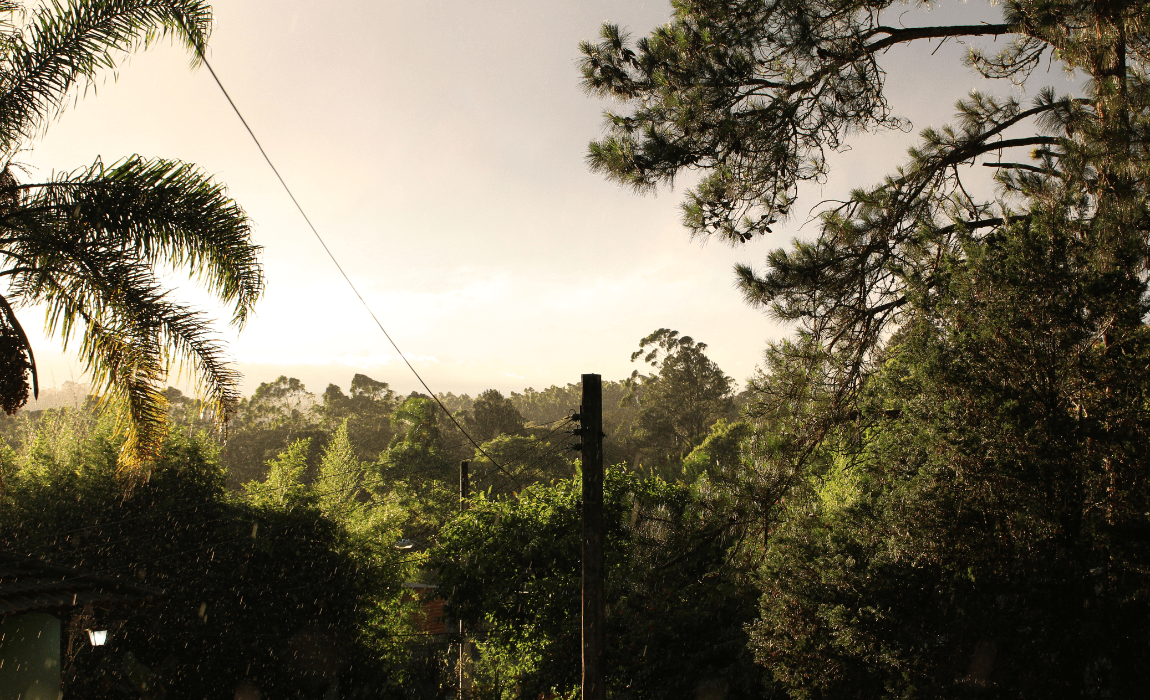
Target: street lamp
97	637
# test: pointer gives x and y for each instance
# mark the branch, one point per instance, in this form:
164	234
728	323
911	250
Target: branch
1018	166
875	311
898	36
977	148
983	223
985	147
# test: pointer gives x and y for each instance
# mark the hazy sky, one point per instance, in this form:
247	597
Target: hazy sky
439	148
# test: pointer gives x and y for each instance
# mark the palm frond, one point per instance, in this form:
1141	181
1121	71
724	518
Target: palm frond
65	44
89	245
164	212
131	337
95	274
126	368
122	355
22	361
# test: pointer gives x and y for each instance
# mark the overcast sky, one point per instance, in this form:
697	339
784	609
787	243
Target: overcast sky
439	148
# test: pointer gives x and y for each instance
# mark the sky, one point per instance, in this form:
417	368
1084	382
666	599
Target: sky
439	149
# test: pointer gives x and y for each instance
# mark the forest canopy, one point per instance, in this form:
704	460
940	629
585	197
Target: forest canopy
293	554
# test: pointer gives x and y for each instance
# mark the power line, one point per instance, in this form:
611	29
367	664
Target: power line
364	485
541	445
516	433
265	488
354	289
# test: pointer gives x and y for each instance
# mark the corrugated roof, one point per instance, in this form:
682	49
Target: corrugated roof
29	584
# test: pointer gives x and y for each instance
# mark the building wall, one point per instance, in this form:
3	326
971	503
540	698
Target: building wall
30	657
431	619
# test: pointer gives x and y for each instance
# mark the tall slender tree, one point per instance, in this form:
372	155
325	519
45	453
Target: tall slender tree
681	400
87	245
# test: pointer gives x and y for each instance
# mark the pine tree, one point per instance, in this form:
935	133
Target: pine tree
339	483
946	470
284	484
756	94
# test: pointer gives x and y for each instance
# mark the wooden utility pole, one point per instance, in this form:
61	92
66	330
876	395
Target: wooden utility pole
464	484
594	630
464	647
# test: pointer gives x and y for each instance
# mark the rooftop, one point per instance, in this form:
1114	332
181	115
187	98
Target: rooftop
29	584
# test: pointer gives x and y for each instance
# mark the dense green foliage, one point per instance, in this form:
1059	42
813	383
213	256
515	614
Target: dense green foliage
676	608
678	404
986	521
936	488
277	588
280	566
652	422
942	479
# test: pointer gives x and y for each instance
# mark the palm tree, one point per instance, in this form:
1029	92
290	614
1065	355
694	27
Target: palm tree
89	245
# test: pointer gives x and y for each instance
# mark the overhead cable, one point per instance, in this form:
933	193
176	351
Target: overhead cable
339	267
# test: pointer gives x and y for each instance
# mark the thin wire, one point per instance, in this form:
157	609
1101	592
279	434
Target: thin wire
312	491
209	546
539	446
339	267
265	488
549	453
167	511
363	485
516	433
